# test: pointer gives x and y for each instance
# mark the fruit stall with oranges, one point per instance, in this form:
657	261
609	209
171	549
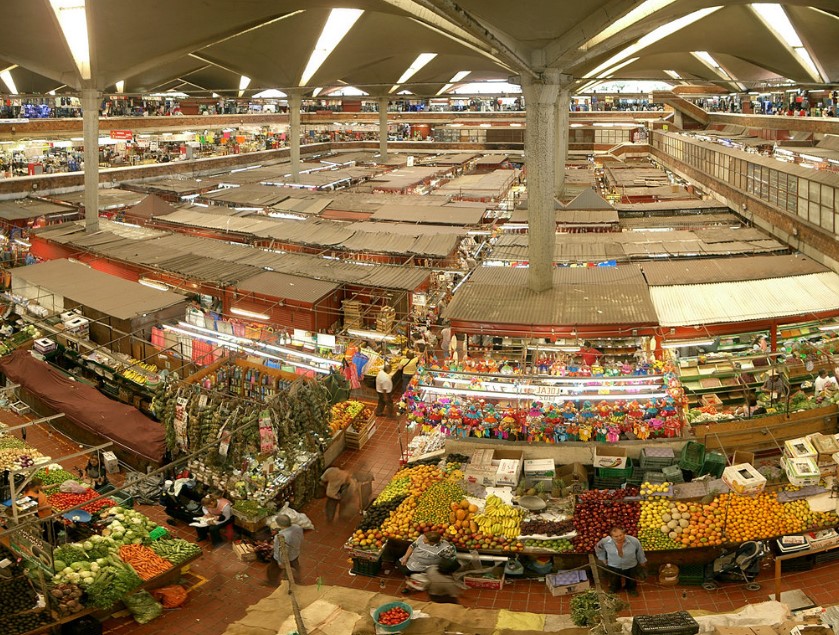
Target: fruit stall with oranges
665	516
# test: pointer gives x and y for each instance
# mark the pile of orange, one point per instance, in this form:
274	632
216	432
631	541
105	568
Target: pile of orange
763	516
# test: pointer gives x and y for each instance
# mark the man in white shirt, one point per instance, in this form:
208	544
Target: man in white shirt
825	385
384	387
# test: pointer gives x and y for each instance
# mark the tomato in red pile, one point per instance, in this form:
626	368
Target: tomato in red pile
393	616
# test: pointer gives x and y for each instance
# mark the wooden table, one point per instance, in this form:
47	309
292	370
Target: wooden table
793	556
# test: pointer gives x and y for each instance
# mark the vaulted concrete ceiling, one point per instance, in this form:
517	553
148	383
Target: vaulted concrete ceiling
207	45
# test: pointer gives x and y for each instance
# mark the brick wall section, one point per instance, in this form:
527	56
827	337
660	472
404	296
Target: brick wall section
790	227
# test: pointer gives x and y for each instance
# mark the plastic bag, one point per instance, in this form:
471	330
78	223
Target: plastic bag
171	597
72	487
417	581
297	518
143	606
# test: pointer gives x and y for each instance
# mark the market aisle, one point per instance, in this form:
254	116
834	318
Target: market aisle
221	587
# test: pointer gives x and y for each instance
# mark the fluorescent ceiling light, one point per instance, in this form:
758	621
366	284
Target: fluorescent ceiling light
673	74
120	85
244	82
643	10
414	68
775	18
271	93
338	24
154	284
250	314
444	89
706	58
215	95
6	76
316	91
72	18
459	76
683	343
614	69
652	37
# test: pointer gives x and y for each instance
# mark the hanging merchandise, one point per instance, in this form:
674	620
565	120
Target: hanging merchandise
267	436
180	422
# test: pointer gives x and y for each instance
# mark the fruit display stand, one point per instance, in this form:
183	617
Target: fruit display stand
360	431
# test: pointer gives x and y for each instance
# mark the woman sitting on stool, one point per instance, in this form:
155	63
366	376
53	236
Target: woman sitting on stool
218	512
426	551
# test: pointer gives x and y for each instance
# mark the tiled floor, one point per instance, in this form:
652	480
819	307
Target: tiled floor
221	587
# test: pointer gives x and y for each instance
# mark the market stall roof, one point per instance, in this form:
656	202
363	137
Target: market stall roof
668	273
180	187
151	205
250	195
109	198
431	214
743	301
588	199
325	178
681	221
579	296
304	205
197	217
449	159
672	206
289	287
102	292
405	178
587	217
491	160
409	229
29	208
88	408
483	186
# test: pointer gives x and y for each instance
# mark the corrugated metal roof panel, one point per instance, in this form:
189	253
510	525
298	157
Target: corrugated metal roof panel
580	296
708	270
439	215
289	287
747	300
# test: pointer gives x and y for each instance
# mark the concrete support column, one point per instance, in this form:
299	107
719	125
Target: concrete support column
563	104
678	119
295	101
90	127
540	95
383	104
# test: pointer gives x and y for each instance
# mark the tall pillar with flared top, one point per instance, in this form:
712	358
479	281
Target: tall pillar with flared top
383	104
563	104
540	95
90	124
295	102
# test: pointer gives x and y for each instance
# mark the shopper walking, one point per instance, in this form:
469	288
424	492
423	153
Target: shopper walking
442	587
282	527
384	388
339	492
623	556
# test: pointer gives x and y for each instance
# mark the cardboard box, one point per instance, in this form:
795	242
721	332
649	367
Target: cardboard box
824	444
508	472
743	457
610	456
244	552
799	448
481	457
743	479
109	460
567	582
574	474
539	468
480	474
494	583
801	472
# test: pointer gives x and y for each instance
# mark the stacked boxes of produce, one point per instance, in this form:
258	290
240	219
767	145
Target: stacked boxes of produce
360	429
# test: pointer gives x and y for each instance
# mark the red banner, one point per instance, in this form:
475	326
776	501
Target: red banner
123	135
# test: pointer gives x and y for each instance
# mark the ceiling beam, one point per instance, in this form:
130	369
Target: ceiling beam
171	56
501	45
440	23
567	44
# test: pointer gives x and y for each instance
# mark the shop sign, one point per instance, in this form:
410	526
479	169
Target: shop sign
122	135
28	542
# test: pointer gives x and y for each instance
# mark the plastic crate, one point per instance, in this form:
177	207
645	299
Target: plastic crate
361	566
673	474
615	472
678	623
637	476
691	574
654	477
693	456
656	458
714	464
608	483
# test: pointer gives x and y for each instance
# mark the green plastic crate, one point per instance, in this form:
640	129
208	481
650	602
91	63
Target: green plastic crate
654	477
714	464
615	472
673	474
692	457
691	574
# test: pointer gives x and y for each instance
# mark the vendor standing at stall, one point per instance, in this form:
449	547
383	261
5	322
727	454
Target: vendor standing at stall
623	556
589	354
384	388
96	474
218	513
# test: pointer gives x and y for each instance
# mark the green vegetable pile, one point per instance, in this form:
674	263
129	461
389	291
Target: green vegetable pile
586	607
250	508
113	582
10	443
175	551
70	553
55	477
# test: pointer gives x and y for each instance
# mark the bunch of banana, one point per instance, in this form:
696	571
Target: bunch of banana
133	375
499	519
